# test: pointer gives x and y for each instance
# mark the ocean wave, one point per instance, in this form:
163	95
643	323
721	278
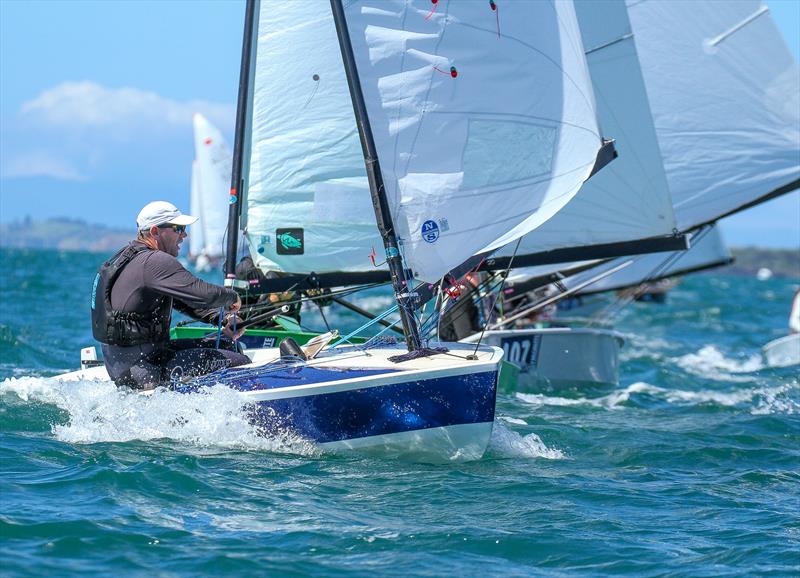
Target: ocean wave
508	443
709	362
762	400
100	412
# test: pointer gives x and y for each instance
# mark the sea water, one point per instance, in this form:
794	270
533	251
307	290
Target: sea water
690	467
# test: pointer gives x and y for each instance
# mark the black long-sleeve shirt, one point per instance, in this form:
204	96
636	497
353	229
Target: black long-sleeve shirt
152	276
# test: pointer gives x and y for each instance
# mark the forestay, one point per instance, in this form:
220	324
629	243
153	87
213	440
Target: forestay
483	117
723	90
629	199
211	177
307	205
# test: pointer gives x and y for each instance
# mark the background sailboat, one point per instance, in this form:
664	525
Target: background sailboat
695	122
211	175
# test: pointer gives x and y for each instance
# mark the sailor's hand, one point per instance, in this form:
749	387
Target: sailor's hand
231	322
236	305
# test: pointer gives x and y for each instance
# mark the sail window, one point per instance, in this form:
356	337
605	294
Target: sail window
493	155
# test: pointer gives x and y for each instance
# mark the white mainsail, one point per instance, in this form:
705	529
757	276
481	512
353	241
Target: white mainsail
725	96
211	178
307	205
483	132
196	236
492	153
629	199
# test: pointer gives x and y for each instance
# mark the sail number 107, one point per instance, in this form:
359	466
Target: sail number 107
522	351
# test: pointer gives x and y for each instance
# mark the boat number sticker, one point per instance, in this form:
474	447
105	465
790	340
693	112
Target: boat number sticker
522	351
430	231
289	241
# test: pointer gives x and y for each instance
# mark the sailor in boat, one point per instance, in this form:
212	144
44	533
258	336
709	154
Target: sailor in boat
133	295
467	314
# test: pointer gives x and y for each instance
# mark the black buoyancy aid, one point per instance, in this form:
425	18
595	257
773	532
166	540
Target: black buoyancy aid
121	328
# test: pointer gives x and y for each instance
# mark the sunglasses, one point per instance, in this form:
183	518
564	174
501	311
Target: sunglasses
177	228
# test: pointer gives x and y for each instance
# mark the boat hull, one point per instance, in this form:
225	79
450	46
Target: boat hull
783	352
557	358
431	409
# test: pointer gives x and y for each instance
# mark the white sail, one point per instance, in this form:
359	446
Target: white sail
307	205
629	199
725	96
213	181
483	118
196	238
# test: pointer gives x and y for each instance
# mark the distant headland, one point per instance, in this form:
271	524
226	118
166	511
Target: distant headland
65	234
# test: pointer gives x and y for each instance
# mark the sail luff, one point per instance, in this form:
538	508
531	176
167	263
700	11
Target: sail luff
400	282
239	142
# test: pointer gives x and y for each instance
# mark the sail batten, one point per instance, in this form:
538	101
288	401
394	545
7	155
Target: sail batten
725	96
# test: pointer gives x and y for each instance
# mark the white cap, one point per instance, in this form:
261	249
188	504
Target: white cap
162	213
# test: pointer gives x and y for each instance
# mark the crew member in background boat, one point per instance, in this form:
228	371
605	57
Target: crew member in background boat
542	317
132	300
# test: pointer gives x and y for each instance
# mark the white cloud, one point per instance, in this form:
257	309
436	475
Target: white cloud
42	164
74	105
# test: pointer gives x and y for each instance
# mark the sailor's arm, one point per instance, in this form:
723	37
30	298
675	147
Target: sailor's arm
164	274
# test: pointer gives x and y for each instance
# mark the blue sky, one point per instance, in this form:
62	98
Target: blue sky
96	99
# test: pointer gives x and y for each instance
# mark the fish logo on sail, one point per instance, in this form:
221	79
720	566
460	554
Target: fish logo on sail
430	231
289	241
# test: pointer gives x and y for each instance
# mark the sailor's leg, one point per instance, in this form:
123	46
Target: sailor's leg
135	367
200	361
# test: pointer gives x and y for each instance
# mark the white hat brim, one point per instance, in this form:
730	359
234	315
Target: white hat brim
182	220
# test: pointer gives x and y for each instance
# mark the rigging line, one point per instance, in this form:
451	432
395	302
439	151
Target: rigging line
610	43
659	271
483	292
559	296
340	293
616	306
499	293
219	326
322	314
368	324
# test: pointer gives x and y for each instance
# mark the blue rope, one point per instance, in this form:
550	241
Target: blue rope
365	326
219	325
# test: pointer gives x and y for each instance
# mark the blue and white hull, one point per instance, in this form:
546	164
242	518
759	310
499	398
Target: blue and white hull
430	408
435	408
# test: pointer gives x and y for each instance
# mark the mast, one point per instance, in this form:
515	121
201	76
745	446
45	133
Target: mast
237	183
400	282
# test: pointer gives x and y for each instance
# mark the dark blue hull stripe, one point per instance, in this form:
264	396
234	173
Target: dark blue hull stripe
383	409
